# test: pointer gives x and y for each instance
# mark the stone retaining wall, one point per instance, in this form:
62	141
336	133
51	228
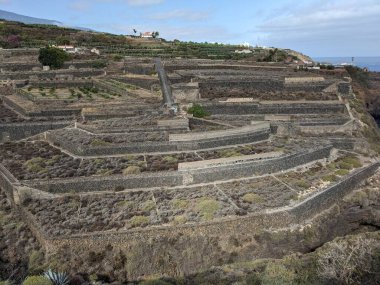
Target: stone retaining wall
51	74
259	167
18	131
281	108
186	249
152	147
175	178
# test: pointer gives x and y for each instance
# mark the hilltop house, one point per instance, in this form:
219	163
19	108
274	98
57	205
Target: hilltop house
147	35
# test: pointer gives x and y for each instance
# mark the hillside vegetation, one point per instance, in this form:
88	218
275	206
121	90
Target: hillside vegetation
19	35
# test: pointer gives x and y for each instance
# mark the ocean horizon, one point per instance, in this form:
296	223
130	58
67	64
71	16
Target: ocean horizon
371	62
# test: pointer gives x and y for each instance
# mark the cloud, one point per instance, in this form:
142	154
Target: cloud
79	6
338	27
181	14
144	2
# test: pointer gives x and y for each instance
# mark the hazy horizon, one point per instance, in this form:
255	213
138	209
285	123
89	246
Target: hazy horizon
318	28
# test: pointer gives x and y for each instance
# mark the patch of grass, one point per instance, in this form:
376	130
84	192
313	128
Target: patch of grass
170	159
37	280
104	172
331	166
139	221
344	165
123	204
342	172
207	207
179	220
180	204
229	153
98	160
99	142
330	178
302	183
252	198
35	165
148	205
131	170
352	160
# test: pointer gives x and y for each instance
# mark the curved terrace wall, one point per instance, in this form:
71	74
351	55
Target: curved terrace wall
158	146
192	248
178	178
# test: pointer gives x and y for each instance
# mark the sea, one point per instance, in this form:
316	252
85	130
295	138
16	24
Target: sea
371	62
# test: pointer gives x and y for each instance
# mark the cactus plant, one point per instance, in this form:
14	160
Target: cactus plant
57	278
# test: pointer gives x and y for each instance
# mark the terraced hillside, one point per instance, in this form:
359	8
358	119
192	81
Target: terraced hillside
118	183
18	35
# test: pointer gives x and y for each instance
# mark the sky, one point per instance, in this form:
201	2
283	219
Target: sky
313	27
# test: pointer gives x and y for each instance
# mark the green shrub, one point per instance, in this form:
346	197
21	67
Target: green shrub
5	282
37	280
197	111
53	57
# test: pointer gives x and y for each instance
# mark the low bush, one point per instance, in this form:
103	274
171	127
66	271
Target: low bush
342	172
37	280
252	198
197	111
131	170
207	207
139	221
330	178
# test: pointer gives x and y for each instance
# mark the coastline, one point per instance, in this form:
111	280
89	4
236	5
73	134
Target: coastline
371	62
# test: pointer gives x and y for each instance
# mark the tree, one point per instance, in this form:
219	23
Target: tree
53	57
155	34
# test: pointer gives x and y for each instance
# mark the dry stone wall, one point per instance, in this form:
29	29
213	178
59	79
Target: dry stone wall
190	248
